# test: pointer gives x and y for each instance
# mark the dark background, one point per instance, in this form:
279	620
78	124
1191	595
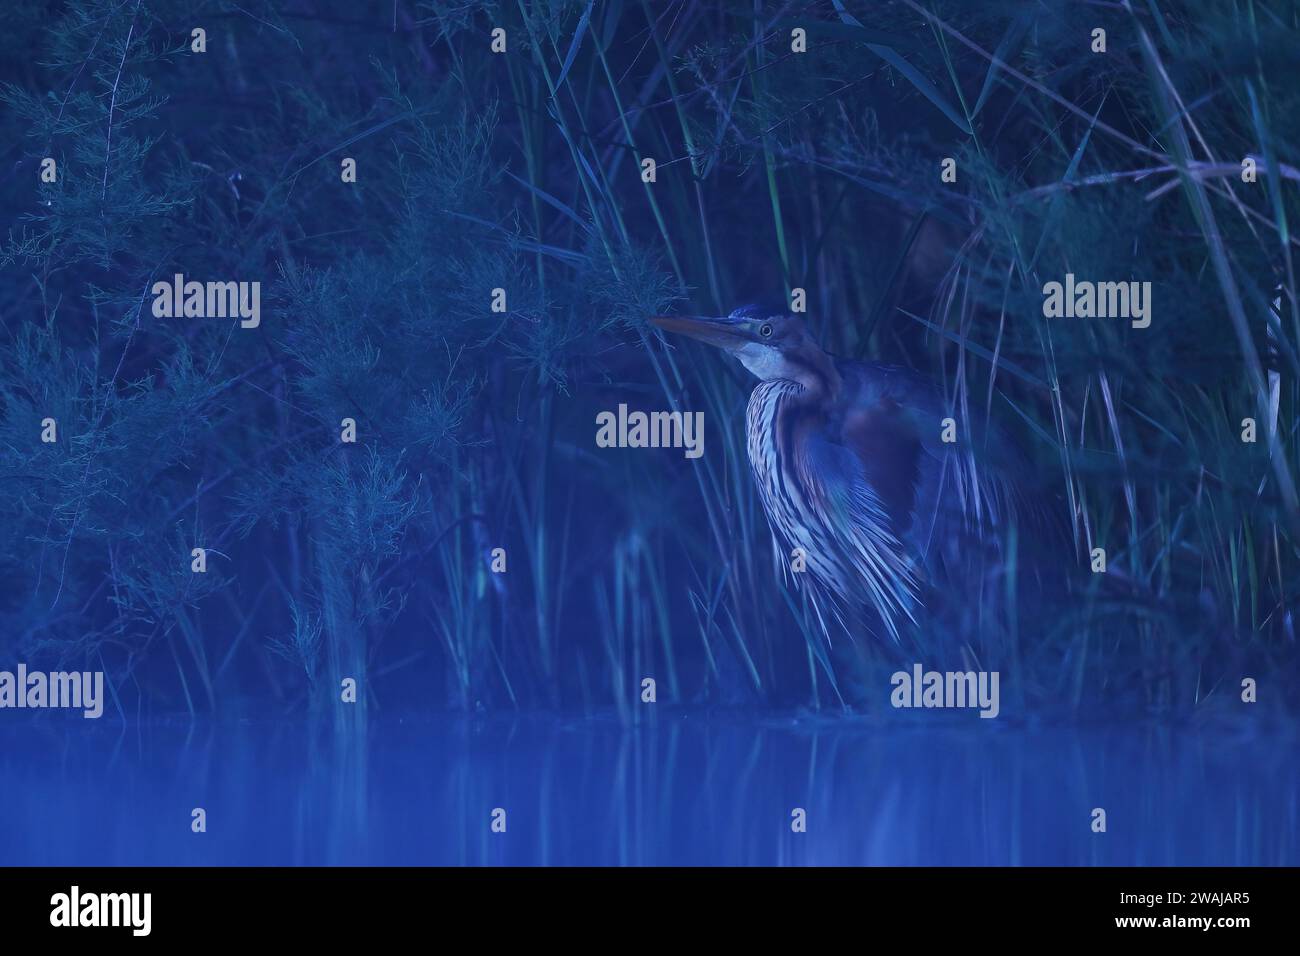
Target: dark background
476	429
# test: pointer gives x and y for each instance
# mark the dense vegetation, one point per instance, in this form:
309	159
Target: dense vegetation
522	170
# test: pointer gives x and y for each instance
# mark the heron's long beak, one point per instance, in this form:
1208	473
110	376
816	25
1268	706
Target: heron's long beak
726	332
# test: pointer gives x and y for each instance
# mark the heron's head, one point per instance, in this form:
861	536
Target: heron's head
772	343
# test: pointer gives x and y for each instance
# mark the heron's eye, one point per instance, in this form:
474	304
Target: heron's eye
765	330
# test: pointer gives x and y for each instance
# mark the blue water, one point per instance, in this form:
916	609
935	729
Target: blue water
683	790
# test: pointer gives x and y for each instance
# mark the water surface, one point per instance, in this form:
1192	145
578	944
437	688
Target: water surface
684	790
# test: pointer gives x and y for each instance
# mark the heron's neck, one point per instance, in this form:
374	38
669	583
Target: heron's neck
809	368
820	378
816	376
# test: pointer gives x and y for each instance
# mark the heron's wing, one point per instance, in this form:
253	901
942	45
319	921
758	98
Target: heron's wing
856	544
933	490
884	437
